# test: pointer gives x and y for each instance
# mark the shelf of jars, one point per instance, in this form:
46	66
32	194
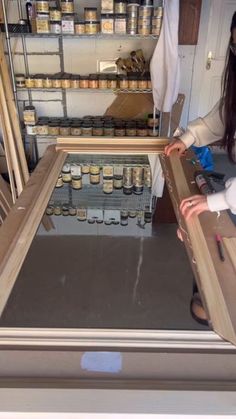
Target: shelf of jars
81	90
84	36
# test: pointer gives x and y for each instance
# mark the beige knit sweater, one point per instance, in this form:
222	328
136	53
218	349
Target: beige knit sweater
204	131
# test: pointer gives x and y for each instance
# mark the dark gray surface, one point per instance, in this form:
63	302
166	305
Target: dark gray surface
98	282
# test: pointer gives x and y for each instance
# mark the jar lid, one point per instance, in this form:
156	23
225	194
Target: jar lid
120	16
136	2
147	2
55	22
123	77
79	22
90	22
120	1
84	77
93	76
98	124
107	16
91	8
102	77
75	77
109	125
29	108
66	77
112	77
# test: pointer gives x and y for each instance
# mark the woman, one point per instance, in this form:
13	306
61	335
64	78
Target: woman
219	124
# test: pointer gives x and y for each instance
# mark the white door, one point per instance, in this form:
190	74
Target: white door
214	36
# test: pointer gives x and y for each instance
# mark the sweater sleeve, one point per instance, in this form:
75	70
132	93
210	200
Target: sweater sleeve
225	199
204	131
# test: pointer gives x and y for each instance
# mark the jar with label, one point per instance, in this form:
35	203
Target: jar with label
118	178
130	129
94	169
67	6
76	129
119	130
127	181
138	180
53	128
107	172
20	80
42	23
87	130
124	214
57	209
29	115
93	81
132	213
31	129
94	179
133	82
107	23
50	210
29	82
108	186
85	169
56	81
132	25
102	81
65	129
66	173
65	210
74	81
72	211
158	12
38	81
54	14
144	30
112	81
147	217
84	82
42	128
66	81
55	26
107	6
42	6
97	129
148	177
109	129
153	120
68	23
120	6
76	176
145	12
120	24
92	27
47	81
59	183
80	28
81	214
142	130
142	83
90	14
123	81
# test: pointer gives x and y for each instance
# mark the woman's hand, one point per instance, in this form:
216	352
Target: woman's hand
194	205
175	145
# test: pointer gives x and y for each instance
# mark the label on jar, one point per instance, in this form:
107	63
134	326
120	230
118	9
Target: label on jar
55	15
42	6
82	214
107	26
95	179
76	182
107	171
67	7
108	186
42	25
72	211
85	169
127	177
29	117
75	170
94	170
66	177
107	6
68	26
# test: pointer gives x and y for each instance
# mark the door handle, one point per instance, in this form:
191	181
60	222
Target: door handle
209	60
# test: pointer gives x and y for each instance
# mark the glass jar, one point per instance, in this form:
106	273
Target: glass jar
29	82
108	186
57	209
38	81
87	130
65	210
132	25
80	28
72	211
153	120
120	6
148	176
112	82
90	14
102	82
94	179
64	129
31	129
119	130
55	26
120	24
93	81
144	30
42	6
124	83
85	169
107	23
145	12
130	129
29	115
56	81
81	214
107	6
59	183
54	14
133	82
20	80
76	129
66	81
132	213
67	6
142	83
98	129
53	128
68	24
42	128
74	81
84	82
118	182
158	12
142	130
42	23
91	27
109	130
107	172
47	82
66	173
124	217
94	169
76	182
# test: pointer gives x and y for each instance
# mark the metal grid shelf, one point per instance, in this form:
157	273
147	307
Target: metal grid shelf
33	89
84	36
